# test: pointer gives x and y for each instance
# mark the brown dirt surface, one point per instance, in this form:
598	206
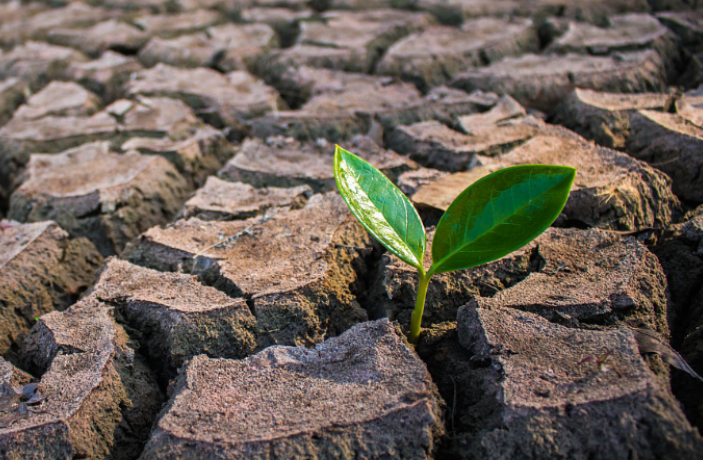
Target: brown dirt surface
362	395
192	141
42	270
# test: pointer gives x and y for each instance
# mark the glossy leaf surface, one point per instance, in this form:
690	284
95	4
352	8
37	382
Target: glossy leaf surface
499	214
380	207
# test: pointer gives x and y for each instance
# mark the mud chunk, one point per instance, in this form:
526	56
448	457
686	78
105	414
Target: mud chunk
685	24
20	137
690	106
339	400
555	405
12	10
59	99
591	276
38	63
435	145
174	316
155	117
173	25
670	143
228	47
626	32
611	189
351	41
605	117
295	267
108	35
104	76
285	22
222	200
435	55
224	100
409	182
36	27
541	82
107	197
12	375
12	94
341	106
42	270
196	157
100	398
285	162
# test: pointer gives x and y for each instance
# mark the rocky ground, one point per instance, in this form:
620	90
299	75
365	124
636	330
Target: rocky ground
181	280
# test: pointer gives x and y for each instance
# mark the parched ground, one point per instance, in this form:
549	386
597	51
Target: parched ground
179	278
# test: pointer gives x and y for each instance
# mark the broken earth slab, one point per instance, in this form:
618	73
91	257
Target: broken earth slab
112	34
544	391
222	200
38	63
435	145
59	99
432	57
339	105
42	270
196	157
228	47
591	276
297	268
222	100
173	25
36	27
12	10
685	24
105	76
542	81
350	41
672	144
109	198
680	251
362	395
12	93
625	32
99	396
285	22
12	375
611	189
179	319
285	162
605	117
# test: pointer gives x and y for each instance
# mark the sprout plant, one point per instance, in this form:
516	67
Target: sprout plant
491	218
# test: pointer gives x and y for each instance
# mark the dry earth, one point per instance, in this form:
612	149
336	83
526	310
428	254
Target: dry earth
179	278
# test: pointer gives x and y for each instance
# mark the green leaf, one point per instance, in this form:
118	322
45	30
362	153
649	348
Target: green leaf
380	207
499	214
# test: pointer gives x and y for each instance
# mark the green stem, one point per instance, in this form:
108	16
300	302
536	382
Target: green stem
416	318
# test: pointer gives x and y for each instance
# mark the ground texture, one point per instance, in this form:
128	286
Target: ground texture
179	278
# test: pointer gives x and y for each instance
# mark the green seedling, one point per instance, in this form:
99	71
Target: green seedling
491	218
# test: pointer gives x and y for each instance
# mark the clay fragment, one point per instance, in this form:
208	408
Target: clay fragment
222	100
104	76
557	401
435	145
107	197
611	189
285	162
542	81
42	270
338	400
38	63
178	319
12	93
99	397
107	35
223	200
297	268
605	117
434	56
670	143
